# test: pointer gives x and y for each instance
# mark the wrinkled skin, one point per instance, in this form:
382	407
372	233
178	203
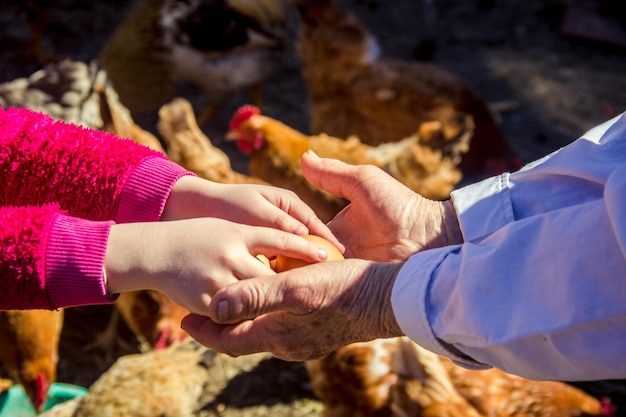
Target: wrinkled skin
302	314
385	220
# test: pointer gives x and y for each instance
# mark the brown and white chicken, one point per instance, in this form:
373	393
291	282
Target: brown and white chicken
220	46
172	382
385	377
355	91
426	161
396	377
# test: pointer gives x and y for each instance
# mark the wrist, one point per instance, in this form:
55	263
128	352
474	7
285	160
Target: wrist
123	262
183	198
451	229
373	300
435	224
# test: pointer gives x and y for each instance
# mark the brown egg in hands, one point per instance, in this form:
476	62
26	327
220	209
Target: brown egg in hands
265	260
285	263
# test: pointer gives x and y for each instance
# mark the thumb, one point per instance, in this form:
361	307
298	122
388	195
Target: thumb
331	175
248	299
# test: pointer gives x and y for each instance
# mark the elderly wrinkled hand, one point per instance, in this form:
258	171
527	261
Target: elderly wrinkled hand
385	220
301	314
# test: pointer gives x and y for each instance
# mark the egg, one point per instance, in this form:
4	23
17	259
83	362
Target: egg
285	263
264	259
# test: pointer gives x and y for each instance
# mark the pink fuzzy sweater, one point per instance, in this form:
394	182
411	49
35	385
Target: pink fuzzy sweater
63	187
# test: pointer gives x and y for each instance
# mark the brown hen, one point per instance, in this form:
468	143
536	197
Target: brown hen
385	377
153	317
173	382
29	349
396	377
497	393
426	161
189	147
355	91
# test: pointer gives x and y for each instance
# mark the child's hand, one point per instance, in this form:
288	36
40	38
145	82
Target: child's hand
256	205
189	260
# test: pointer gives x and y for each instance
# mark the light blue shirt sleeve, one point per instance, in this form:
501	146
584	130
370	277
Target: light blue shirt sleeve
538	288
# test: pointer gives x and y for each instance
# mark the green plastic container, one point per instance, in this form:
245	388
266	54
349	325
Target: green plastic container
15	403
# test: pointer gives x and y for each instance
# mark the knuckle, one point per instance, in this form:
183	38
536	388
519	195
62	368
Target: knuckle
230	258
365	171
253	298
284	240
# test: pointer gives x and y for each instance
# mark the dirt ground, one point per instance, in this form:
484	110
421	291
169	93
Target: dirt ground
549	87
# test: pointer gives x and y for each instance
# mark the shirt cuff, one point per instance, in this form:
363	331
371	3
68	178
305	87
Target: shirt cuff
146	191
73	262
483	207
410	300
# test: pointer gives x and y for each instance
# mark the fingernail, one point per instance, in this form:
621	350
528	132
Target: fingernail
311	152
322	254
223	310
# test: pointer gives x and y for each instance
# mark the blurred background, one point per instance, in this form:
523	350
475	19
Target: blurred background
551	69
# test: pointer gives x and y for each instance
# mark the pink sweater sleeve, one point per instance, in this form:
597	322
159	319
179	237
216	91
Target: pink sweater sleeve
63	187
50	260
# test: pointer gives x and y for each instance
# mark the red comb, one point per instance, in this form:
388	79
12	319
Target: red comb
608	409
242	114
163	340
41	394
